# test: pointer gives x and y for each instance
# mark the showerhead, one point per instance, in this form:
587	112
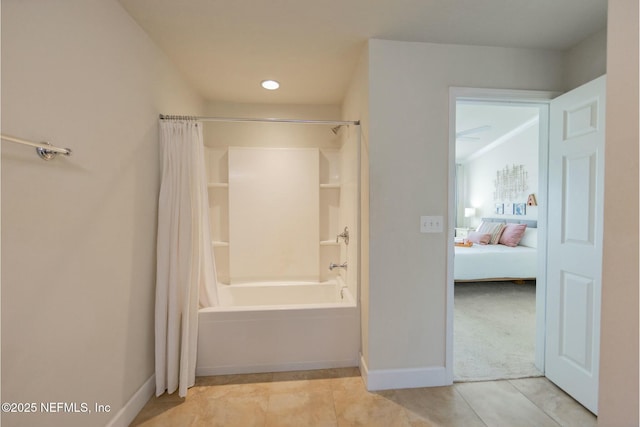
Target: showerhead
336	129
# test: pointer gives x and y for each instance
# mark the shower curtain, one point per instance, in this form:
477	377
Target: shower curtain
186	277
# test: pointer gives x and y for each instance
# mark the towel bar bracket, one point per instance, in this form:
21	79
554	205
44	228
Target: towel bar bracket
46	154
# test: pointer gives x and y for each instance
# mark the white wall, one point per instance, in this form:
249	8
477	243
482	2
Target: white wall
78	238
618	404
480	174
408	160
586	61
243	134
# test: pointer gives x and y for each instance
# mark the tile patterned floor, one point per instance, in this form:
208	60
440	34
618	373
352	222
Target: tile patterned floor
338	397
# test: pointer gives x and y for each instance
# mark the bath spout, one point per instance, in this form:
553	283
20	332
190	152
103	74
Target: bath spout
334	265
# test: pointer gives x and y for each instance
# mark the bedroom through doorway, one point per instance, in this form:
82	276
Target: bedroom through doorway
496	253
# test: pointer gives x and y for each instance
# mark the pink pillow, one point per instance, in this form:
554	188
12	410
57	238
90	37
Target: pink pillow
512	234
480	238
493	228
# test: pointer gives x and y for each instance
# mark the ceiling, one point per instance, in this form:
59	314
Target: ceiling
225	48
484	125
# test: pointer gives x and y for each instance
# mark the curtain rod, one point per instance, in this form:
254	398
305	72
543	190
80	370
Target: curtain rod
266	120
45	150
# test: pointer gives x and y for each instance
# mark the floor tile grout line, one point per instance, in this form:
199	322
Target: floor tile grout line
266	412
509	381
555	420
333	400
455	388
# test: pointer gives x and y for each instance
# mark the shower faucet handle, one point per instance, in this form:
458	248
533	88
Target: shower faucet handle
334	265
344	235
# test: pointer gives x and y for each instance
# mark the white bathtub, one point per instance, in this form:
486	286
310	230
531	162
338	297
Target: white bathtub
269	327
278	296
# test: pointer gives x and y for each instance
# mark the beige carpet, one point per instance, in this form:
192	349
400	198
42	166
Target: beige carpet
494	331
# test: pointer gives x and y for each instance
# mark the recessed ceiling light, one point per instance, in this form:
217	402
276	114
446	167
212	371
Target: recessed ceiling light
270	84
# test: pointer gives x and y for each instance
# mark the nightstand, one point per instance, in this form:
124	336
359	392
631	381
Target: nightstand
462	231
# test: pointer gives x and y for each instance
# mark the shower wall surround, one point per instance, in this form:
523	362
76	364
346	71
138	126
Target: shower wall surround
275	212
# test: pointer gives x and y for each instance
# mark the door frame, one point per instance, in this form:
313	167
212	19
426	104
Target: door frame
541	99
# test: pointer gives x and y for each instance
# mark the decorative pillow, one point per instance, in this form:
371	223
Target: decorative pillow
512	234
529	238
493	228
479	238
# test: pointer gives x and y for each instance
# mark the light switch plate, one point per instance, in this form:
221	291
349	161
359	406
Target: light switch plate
431	224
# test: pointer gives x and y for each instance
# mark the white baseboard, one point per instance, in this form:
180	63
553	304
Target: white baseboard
386	379
140	398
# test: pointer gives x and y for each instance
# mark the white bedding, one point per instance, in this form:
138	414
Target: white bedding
481	262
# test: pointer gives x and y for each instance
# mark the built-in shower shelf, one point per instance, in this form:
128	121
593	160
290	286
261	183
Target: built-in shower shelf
219	244
218	185
329	186
329	243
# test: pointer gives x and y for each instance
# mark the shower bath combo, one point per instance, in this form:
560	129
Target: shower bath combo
284	303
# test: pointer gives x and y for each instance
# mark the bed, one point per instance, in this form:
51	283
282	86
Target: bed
497	261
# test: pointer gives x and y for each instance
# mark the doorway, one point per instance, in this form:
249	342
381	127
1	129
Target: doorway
528	101
497	169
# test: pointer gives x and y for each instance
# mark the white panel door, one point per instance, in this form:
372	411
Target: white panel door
574	262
